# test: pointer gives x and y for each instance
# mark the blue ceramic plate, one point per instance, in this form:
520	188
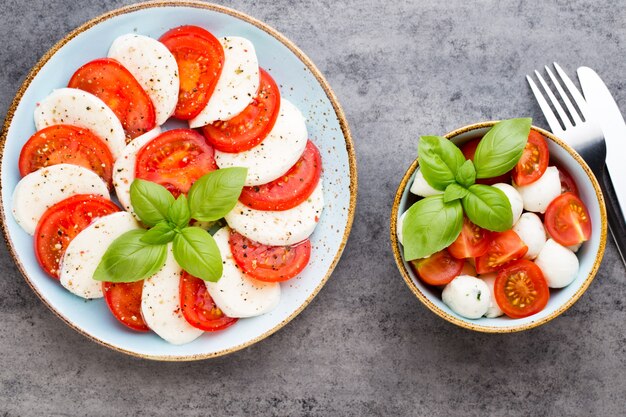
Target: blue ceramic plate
300	82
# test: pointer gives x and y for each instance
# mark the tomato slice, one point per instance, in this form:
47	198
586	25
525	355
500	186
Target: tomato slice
198	307
567	220
289	190
62	222
65	144
124	301
111	82
503	248
534	160
269	263
439	268
200	58
251	126
521	289
469	150
568	185
175	159
471	243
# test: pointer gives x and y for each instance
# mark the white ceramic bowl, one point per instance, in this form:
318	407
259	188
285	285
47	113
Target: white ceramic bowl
590	254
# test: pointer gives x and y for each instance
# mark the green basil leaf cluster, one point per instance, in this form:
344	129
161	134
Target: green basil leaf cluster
140	253
434	222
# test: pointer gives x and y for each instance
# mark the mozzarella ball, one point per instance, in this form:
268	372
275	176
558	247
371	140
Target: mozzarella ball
399	228
421	187
467	296
530	229
517	205
494	308
558	264
540	193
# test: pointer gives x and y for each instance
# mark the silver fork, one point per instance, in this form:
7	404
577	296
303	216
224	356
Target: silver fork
581	132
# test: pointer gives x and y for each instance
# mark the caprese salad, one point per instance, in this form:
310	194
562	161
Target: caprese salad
498	223
211	218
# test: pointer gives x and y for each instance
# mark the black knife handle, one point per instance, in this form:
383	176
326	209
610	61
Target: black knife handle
617	224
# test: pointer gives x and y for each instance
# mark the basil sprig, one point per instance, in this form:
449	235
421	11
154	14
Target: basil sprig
434	222
140	253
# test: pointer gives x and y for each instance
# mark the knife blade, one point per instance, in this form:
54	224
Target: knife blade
609	116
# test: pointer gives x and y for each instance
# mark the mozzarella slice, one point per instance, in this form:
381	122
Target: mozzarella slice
237	85
558	264
79	108
530	229
278	228
124	167
154	67
86	250
160	304
494	308
278	152
538	195
421	187
236	294
517	204
40	190
467	296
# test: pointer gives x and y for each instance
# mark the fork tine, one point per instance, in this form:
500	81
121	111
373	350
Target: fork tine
578	97
545	107
572	110
559	109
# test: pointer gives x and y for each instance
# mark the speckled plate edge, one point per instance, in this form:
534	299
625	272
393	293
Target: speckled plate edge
282	39
395	245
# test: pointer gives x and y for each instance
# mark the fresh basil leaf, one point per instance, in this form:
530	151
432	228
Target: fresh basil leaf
197	253
501	148
179	213
161	233
431	225
215	194
150	201
129	259
440	160
466	175
488	207
454	192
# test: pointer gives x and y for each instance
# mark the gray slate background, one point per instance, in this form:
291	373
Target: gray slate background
365	345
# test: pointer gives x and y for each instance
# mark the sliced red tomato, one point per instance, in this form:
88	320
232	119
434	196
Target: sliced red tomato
108	80
567	220
175	159
124	301
251	126
65	144
568	185
521	289
289	190
471	243
503	248
534	160
62	222
439	268
269	263
198	307
200	58
469	150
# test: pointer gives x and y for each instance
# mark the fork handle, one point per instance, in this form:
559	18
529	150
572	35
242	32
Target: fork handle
617	223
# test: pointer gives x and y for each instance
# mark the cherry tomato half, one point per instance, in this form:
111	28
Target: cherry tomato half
439	268
198	307
503	248
471	243
534	160
521	289
124	301
567	220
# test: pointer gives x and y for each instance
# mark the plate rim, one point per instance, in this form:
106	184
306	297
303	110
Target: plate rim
272	32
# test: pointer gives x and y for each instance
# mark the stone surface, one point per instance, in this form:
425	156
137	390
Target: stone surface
365	346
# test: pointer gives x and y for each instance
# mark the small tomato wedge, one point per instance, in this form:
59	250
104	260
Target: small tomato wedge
567	220
246	130
503	248
568	185
175	159
471	243
439	268
269	263
469	150
62	222
534	160
289	190
521	289
124	301
108	80
65	144
200	58
198	307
